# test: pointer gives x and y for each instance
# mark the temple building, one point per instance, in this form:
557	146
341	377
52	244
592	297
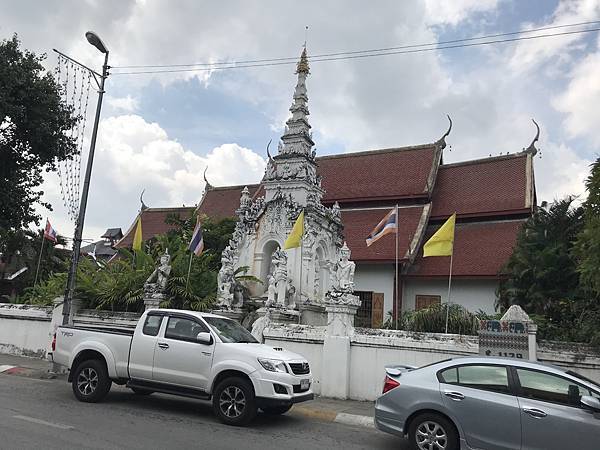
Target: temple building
350	193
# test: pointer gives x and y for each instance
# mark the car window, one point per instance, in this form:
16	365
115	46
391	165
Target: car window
486	377
183	329
152	325
551	388
449	375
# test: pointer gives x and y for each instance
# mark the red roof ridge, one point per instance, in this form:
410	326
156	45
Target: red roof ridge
375	208
237	186
378	151
485	222
485	159
168	208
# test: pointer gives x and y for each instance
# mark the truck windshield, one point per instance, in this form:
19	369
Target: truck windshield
230	331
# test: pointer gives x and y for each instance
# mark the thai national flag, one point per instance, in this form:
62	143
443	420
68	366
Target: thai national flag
197	242
49	232
388	224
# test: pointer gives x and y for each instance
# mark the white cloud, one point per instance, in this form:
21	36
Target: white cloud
560	172
530	54
581	99
133	155
126	104
455	11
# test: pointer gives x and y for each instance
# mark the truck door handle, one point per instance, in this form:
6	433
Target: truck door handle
456	396
534	412
207	353
163	345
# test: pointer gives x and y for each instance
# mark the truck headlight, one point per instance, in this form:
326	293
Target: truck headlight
273	365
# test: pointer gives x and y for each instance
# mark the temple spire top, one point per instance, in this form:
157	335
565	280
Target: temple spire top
297	139
302	66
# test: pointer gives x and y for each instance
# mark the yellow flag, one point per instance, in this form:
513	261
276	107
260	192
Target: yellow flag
293	240
137	237
442	242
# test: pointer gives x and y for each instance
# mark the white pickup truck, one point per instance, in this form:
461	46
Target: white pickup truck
185	353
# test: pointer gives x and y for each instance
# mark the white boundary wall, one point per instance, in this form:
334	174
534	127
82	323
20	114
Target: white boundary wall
27	330
371	350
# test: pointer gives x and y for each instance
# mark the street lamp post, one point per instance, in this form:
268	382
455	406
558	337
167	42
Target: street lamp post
94	40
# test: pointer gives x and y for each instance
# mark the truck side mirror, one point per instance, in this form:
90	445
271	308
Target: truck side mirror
591	403
204	338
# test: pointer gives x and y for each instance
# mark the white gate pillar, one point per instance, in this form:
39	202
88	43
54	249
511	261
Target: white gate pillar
336	346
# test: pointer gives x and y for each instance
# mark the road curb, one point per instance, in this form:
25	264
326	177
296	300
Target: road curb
328	415
27	372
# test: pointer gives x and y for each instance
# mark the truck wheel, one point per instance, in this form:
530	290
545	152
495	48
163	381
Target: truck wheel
276	410
90	381
432	431
233	401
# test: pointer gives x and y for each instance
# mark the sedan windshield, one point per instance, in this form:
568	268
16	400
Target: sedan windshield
230	331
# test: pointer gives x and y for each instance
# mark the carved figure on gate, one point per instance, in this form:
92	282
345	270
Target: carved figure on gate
344	272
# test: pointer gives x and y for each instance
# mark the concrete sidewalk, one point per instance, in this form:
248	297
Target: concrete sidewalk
349	412
24	366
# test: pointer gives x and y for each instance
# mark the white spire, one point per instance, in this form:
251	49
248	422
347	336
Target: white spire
297	138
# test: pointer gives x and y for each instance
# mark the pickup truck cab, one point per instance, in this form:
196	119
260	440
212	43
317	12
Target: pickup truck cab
185	353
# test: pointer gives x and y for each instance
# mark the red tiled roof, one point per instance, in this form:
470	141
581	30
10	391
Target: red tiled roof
221	202
377	174
480	249
153	223
359	223
491	186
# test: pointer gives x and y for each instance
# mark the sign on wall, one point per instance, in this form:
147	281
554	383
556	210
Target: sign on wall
377	310
504	338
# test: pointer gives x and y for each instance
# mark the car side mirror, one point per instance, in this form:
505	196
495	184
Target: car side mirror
204	338
591	403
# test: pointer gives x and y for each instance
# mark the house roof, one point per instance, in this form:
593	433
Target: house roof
99	248
221	202
112	233
358	223
153	223
480	250
484	187
395	173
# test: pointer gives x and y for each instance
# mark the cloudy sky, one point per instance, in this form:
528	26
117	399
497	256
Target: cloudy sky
159	131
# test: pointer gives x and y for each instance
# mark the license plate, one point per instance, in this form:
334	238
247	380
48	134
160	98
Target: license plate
304	385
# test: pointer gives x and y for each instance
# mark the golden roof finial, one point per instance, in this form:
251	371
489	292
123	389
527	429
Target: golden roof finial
302	66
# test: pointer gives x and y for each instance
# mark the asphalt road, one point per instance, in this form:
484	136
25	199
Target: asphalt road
44	414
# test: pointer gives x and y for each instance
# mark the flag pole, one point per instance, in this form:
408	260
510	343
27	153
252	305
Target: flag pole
37	271
449	287
396	275
189	270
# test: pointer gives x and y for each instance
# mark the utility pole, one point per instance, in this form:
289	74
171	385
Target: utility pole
94	40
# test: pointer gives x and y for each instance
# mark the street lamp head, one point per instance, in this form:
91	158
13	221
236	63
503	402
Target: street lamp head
96	41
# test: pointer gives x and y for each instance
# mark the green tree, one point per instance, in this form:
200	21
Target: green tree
118	285
587	249
541	272
33	122
24	247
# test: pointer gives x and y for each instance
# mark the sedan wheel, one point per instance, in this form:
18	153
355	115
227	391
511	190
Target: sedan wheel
432	431
431	436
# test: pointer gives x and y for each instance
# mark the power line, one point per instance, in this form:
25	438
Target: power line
369	55
213	65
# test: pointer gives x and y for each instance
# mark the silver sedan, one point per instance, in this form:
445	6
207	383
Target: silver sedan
490	403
